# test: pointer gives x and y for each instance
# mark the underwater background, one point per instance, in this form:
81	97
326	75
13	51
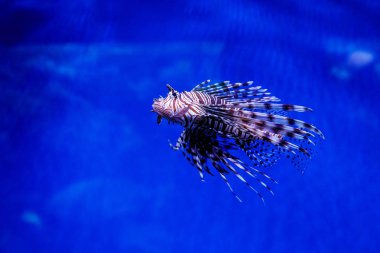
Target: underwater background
85	168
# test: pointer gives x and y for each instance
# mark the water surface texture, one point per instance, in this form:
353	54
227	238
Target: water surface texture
85	168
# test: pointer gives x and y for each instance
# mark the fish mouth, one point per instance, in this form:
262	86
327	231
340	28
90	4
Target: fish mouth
161	112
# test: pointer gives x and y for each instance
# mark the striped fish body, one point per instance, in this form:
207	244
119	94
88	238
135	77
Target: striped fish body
221	117
184	107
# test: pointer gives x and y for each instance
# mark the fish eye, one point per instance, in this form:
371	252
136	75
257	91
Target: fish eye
174	94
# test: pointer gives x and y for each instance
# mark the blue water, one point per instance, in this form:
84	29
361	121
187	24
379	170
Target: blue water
85	168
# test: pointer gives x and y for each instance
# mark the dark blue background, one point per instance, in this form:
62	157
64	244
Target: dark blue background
85	168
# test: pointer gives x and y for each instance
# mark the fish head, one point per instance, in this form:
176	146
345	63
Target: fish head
163	106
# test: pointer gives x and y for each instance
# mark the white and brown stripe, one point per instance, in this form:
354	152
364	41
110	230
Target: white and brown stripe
228	116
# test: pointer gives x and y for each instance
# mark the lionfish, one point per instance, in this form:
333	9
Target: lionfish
223	118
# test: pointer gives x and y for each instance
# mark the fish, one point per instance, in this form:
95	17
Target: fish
222	119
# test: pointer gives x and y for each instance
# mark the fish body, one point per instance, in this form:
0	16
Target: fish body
221	117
